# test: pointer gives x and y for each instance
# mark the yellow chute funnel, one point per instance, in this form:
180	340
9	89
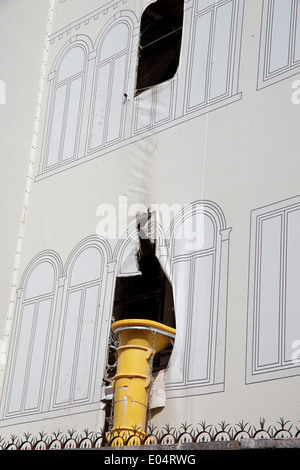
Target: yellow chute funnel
139	340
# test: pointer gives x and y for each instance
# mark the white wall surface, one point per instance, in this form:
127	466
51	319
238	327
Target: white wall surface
23	27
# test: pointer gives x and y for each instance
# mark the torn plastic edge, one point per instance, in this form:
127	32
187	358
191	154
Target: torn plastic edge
144	229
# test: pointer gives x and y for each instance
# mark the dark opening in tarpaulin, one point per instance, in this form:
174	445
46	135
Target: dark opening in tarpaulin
148	296
160	42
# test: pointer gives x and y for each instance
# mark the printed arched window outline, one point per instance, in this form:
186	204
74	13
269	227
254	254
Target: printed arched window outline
84	44
110	63
174	91
96	369
15	353
128	245
216	364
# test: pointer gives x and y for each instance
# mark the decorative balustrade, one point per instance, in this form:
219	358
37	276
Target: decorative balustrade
186	434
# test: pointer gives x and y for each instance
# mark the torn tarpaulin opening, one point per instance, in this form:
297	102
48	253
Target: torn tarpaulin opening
147	295
142	229
142	288
143	291
160	43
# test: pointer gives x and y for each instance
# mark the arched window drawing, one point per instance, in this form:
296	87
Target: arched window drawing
94	106
77	354
108	106
65	107
33	333
199	257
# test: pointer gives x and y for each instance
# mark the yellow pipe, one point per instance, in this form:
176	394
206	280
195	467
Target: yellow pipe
139	340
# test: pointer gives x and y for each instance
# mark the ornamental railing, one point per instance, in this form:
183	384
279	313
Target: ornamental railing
165	436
